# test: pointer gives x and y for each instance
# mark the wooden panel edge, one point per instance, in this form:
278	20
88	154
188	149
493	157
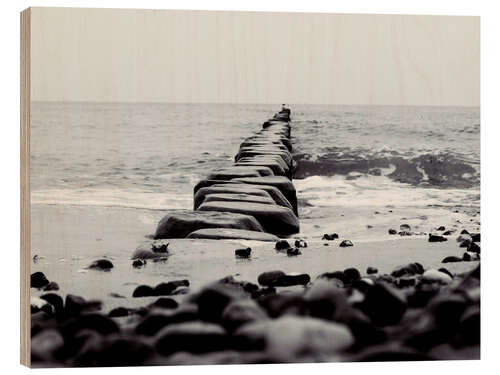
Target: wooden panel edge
25	350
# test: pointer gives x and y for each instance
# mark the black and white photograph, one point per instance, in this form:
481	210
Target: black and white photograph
229	187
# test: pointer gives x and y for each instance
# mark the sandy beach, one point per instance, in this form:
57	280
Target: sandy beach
68	239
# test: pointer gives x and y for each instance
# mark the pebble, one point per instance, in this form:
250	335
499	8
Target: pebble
101	264
469	257
436	276
451	259
384	305
282	245
351	275
293	252
393	231
279	278
143	291
243	253
138	263
405	227
346	243
436	238
38	280
474	248
371	270
330	237
300	243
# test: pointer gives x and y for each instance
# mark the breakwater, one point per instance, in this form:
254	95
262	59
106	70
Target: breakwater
252	199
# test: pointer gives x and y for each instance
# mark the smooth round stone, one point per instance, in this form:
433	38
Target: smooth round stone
436	276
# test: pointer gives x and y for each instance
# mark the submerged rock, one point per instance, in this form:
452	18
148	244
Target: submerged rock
232	234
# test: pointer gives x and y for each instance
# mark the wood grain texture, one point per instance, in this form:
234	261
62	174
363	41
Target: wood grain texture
25	187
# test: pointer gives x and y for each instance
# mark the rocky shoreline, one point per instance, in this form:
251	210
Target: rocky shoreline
411	313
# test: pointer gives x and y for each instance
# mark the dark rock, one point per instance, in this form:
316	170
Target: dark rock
241	312
143	291
101	264
243	253
45	345
351	275
76	305
55	300
138	263
393	231
422	295
213	299
164	289
469	330
474	248
451	259
118	312
160	247
282	245
93	321
232	234
114	351
436	238
38	304
435	276
192	337
346	243
51	286
279	278
447	310
335	275
274	219
465	243
291	337
326	301
384	305
293	252
446	272
408	269
330	237
179	225
476	237
405	282
405	233
155	321
300	243
371	270
389	352
38	280
441	228
165	303
469	257
464	231
268	278
448	233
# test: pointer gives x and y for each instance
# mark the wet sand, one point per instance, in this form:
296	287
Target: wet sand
68	238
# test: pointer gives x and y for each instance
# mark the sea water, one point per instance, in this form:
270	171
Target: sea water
150	155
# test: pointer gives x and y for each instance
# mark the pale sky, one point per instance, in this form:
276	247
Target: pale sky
241	57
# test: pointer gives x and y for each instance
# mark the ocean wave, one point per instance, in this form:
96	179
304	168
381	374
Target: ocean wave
437	169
